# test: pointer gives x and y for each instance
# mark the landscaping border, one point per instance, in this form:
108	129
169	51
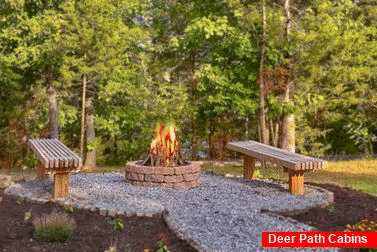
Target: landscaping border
328	200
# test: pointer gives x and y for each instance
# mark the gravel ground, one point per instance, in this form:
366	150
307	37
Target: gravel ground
223	214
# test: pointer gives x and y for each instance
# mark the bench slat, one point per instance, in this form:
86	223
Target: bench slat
262	156
72	158
285	153
65	160
70	153
49	159
56	153
296	162
53	154
281	157
300	163
42	156
54	159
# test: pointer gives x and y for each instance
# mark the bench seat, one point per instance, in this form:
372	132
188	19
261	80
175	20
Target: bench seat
55	158
293	163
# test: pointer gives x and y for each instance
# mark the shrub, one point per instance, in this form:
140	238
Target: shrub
161	245
57	226
330	209
27	215
112	247
117	224
68	210
362	226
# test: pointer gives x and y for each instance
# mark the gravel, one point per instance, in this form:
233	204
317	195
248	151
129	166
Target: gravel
223	214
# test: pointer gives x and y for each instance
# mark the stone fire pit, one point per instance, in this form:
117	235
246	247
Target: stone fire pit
176	177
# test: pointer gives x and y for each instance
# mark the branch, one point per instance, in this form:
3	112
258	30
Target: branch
371	104
1	53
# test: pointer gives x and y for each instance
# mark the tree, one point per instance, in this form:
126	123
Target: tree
335	63
288	120
262	90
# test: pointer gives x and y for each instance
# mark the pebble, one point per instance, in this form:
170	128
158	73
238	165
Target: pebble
208	215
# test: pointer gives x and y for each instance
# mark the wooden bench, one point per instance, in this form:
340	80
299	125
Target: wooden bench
55	158
293	163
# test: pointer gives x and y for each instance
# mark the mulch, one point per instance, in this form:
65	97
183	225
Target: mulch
349	207
94	233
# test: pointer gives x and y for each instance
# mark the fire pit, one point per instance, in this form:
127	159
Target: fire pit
164	166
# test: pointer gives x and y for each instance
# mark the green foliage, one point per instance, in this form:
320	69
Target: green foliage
161	245
362	136
27	215
117	224
112	247
68	210
54	227
364	225
192	62
20	201
330	209
336	49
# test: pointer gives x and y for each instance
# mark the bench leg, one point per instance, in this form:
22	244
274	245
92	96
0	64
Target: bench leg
41	174
296	182
61	184
248	167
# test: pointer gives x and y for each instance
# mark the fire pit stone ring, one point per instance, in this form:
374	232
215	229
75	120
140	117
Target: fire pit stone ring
176	177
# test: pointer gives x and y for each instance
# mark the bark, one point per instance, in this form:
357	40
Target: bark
262	111
211	140
247	127
90	160
274	133
193	82
52	99
288	120
83	117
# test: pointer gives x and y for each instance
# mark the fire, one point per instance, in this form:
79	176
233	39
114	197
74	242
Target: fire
165	149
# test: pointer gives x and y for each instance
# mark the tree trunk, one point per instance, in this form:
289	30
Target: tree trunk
52	99
83	117
247	127
193	82
90	160
212	128
262	111
288	120
274	133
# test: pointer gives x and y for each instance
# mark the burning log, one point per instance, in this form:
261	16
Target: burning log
165	148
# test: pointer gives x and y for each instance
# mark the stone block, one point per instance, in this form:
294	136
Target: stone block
191	176
147	184
154	178
135	176
164	170
145	169
173	179
164	185
193	183
180	185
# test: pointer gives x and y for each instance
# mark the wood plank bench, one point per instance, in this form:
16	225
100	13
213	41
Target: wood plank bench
55	158
293	163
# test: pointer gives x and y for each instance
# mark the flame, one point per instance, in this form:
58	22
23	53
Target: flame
165	146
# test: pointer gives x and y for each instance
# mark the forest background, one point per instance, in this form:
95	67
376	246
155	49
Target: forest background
100	74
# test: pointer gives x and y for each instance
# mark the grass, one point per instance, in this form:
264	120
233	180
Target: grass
356	174
54	227
108	169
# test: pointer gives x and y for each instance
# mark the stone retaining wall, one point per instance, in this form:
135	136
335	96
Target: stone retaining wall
178	177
